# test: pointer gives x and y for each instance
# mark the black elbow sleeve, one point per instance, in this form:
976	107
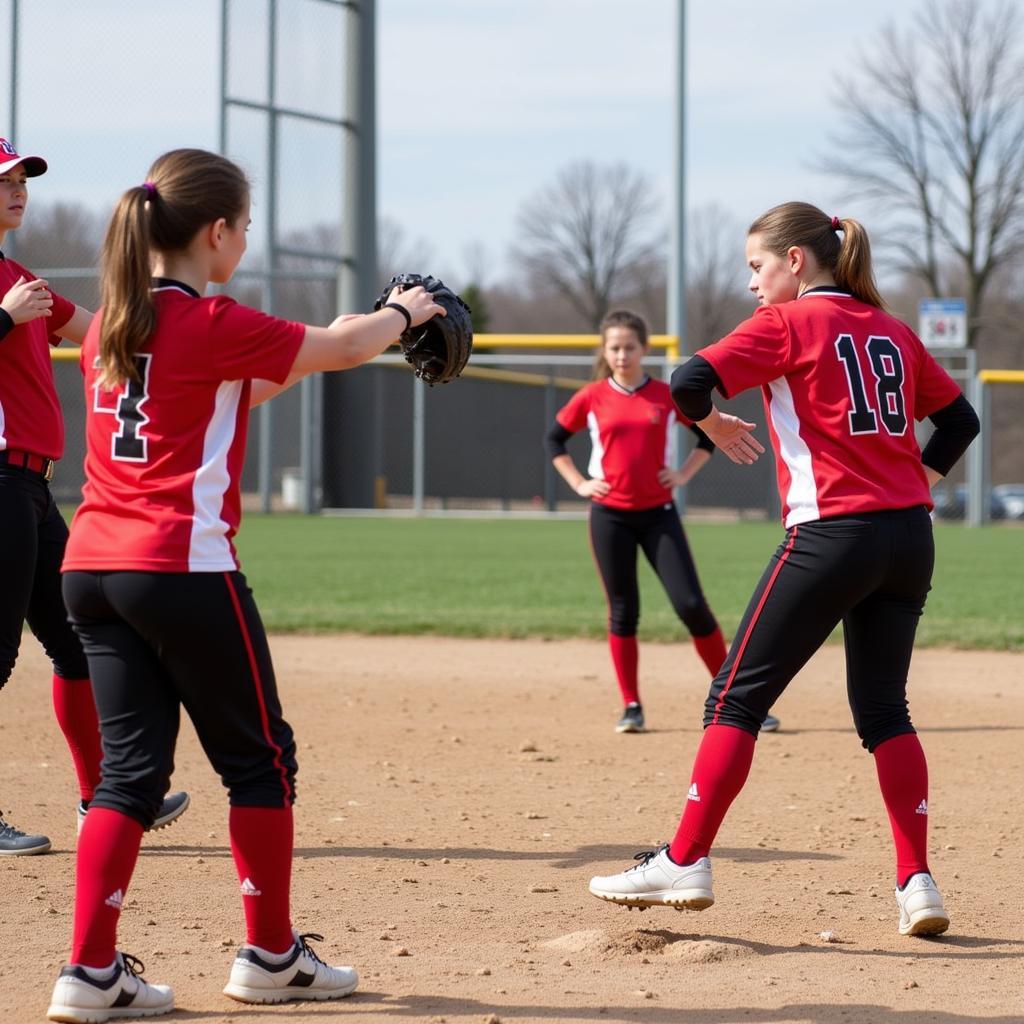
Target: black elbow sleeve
554	440
956	426
691	386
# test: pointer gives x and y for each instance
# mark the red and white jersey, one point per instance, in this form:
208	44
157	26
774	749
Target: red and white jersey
164	455
630	436
30	416
843	382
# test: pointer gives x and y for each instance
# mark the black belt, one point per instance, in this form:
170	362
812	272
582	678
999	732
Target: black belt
30	461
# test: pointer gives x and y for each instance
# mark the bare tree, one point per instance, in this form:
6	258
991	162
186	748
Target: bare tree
583	235
715	276
933	133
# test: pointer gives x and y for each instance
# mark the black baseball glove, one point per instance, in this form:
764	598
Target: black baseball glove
440	348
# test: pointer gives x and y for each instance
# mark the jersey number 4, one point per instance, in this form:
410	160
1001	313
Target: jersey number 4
128	444
887	368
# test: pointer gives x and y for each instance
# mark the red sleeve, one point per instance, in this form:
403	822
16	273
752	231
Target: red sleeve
63	310
251	344
573	415
756	352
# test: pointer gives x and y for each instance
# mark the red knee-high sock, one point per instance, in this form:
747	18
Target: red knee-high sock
719	771
107	850
903	780
261	843
625	657
76	715
711	649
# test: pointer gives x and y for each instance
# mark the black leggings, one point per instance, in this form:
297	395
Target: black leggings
615	535
156	641
32	540
872	572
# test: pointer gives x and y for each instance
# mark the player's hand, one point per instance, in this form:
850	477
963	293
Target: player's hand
28	300
418	302
672	477
733	436
594	489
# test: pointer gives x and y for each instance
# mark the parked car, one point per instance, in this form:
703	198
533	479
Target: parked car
1011	500
953	504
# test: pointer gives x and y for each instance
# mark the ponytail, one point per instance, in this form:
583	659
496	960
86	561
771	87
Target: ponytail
185	190
806	226
853	267
128	313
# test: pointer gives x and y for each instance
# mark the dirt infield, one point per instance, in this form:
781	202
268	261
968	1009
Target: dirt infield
456	796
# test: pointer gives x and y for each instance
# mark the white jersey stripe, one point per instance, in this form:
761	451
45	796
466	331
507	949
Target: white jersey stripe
670	432
209	550
596	467
802	497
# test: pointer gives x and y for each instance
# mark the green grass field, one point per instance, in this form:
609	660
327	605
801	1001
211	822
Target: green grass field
517	578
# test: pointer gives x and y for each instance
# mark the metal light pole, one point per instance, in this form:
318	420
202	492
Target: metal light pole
676	312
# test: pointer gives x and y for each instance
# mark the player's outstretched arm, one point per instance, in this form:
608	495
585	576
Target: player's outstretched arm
351	341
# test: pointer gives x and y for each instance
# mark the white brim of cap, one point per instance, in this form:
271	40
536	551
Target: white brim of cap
34	165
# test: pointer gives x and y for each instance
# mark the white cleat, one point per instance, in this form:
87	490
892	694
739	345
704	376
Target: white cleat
84	995
261	977
921	909
657	881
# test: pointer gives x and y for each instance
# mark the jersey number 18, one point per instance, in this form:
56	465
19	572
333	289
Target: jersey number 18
887	368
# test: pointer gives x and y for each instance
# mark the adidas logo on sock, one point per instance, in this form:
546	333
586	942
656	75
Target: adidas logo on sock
922	807
692	794
115	900
248	889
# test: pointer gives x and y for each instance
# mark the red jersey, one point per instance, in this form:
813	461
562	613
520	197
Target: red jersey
630	435
843	382
30	416
164	455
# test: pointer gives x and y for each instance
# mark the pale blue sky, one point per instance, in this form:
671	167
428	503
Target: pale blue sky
480	102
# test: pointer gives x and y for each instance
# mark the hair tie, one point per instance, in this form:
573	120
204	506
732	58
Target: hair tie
150	189
836	224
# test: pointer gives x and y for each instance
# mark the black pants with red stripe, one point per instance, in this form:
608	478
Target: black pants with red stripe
616	535
872	572
32	540
157	642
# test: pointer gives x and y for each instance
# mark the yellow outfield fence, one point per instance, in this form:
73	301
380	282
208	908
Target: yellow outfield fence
1001	376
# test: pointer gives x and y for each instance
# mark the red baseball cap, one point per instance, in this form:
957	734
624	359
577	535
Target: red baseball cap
34	165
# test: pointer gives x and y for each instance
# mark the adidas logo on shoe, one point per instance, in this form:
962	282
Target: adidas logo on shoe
115	899
85	994
922	807
258	976
692	793
248	889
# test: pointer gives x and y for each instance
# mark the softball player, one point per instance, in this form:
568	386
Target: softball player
152	581
32	532
630	418
843	382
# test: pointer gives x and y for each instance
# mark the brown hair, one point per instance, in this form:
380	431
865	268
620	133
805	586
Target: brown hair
619	318
805	225
184	190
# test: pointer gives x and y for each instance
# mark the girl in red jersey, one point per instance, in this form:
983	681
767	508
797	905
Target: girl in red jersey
32	532
631	419
843	382
152	582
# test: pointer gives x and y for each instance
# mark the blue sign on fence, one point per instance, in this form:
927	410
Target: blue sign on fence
942	323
